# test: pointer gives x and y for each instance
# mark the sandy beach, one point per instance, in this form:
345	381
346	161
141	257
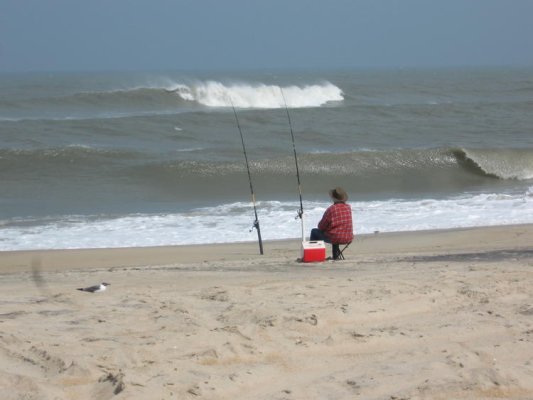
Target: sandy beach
420	315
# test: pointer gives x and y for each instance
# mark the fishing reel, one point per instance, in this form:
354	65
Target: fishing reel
254	226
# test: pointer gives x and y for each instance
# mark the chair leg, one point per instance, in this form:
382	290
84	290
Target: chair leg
338	252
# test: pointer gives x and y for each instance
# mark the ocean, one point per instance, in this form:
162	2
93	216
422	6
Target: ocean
91	160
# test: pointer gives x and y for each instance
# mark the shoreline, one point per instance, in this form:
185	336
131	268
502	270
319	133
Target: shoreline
454	240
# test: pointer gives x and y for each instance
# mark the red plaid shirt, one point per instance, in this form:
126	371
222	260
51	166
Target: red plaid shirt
336	223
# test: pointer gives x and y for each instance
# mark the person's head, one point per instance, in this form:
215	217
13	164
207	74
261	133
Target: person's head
338	195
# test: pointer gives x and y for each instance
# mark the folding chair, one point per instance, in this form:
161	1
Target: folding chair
338	252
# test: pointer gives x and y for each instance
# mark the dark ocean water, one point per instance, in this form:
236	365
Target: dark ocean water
97	160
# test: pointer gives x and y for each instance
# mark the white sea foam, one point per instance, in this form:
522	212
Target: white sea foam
233	222
243	95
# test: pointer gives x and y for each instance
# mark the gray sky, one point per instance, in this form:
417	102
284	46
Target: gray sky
81	35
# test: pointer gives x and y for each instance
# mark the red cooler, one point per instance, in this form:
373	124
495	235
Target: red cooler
313	251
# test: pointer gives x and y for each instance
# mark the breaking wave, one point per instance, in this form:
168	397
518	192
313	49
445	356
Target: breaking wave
168	98
421	164
242	95
500	163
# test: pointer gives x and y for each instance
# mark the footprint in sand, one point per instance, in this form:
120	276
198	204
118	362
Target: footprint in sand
215	294
109	385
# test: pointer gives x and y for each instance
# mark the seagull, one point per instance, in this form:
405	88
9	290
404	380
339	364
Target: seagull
96	288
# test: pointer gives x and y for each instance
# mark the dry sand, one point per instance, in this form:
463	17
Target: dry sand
426	315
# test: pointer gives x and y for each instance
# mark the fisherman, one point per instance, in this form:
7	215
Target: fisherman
336	225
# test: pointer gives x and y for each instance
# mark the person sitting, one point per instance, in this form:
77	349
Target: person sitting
336	225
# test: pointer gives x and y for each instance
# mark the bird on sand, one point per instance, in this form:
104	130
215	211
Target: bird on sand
96	288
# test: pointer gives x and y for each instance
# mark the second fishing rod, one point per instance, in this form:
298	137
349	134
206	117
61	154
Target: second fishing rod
301	210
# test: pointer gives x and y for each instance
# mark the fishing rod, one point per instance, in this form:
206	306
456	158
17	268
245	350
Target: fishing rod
256	222
301	210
